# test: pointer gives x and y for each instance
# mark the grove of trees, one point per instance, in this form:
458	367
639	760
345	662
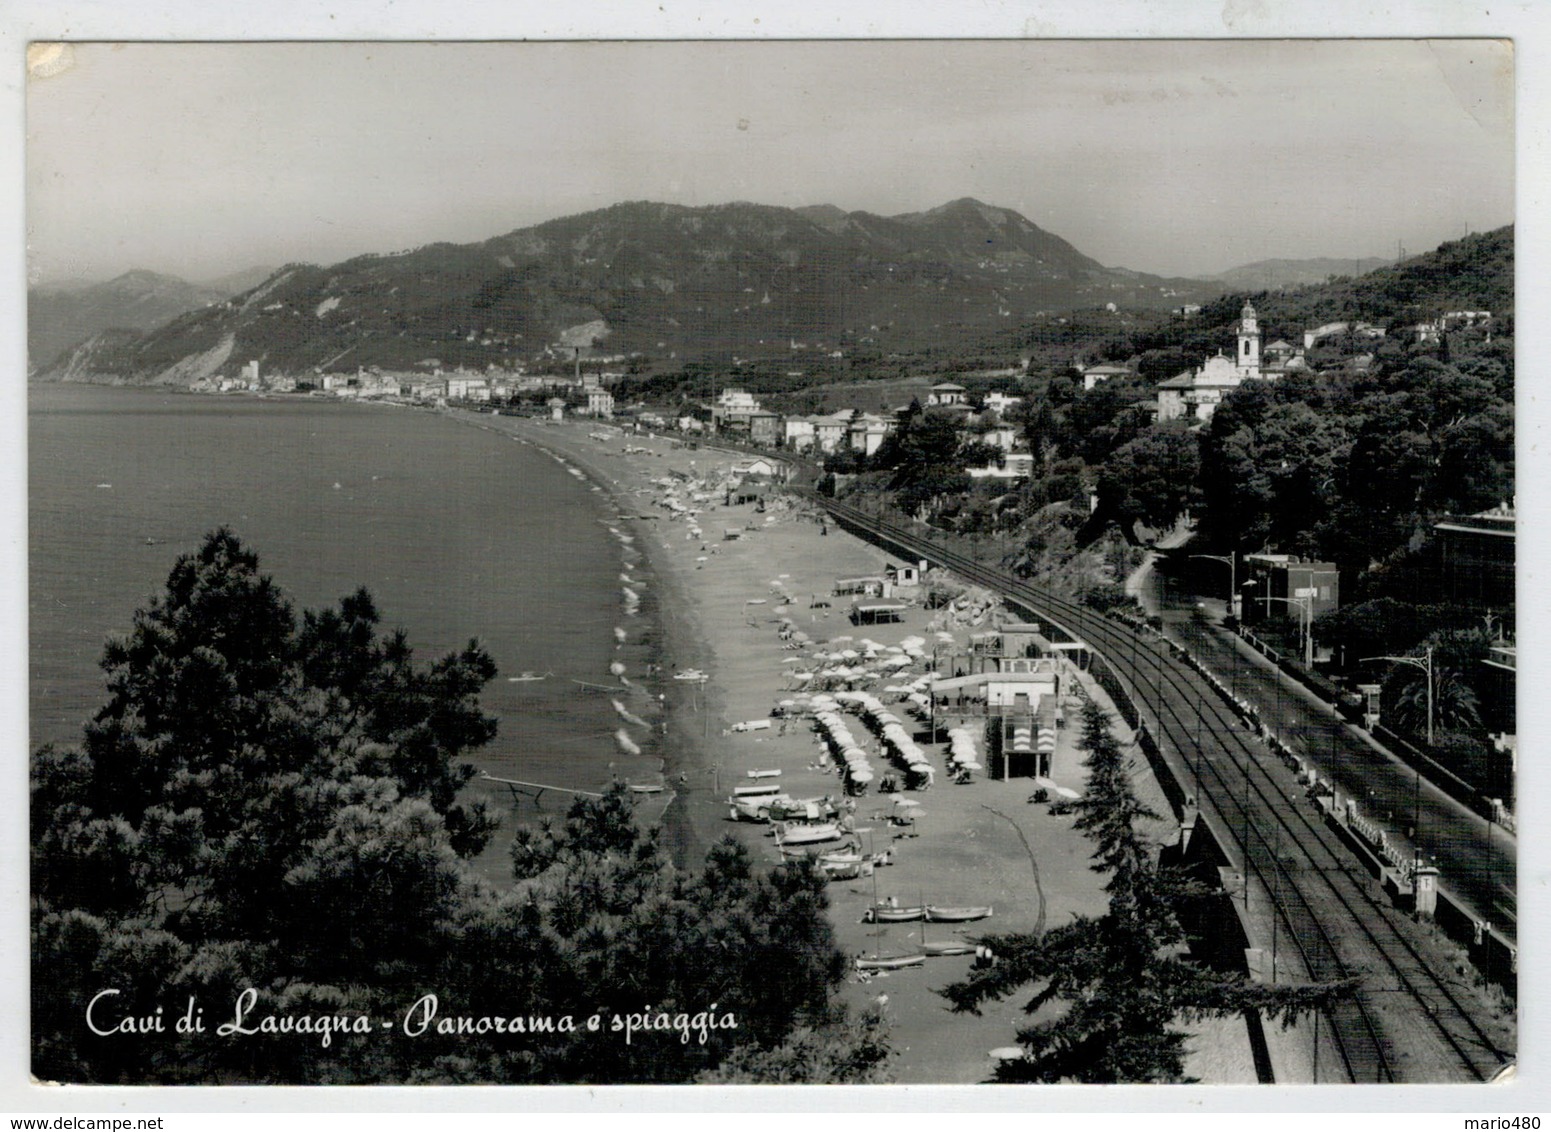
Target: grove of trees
268	810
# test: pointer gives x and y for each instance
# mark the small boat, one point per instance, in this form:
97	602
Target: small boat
886	914
760	789
645	787
690	674
948	947
852	871
527	676
808	834
764	774
843	858
889	962
940	915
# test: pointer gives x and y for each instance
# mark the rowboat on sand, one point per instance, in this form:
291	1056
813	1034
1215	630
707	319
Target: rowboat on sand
948	947
808	834
889	962
886	914
940	915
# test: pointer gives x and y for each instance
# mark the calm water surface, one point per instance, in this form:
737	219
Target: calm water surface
458	532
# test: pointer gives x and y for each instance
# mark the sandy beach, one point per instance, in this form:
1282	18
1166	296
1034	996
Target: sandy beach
720	603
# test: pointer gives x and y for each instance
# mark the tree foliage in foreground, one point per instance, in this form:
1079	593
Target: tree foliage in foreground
272	806
1110	991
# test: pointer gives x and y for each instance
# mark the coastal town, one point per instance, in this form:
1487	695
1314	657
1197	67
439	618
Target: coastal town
815	563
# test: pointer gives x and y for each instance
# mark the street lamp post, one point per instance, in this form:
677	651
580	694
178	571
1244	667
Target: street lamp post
1233	580
1306	618
1425	663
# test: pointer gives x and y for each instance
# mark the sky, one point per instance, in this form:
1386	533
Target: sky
1176	158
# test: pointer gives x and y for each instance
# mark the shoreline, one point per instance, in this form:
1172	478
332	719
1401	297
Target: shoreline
981	844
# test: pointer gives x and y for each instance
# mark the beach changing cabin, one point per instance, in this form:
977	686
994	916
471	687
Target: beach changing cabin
876	612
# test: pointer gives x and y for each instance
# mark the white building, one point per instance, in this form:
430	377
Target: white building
867	432
1196	393
600	402
1093	375
1015	466
797	433
733	401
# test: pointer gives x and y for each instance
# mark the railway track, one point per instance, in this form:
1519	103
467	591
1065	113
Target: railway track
1412	1017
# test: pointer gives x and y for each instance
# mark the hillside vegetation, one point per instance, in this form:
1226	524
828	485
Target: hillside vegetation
662	281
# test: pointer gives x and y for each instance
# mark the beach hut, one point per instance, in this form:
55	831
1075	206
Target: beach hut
877	612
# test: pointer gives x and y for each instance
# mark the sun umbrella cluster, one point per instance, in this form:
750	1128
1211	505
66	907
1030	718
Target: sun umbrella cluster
843	745
896	740
962	754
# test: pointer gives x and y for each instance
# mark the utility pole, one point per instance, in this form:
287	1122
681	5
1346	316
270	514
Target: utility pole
1233	580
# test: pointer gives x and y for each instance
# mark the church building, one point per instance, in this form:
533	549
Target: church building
1195	393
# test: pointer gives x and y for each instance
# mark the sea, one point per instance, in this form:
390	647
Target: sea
458	531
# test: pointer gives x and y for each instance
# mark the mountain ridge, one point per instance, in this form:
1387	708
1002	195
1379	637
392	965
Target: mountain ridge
708	282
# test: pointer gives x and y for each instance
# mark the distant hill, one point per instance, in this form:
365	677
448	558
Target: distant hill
59	317
239	281
669	281
65	313
1473	273
1271	274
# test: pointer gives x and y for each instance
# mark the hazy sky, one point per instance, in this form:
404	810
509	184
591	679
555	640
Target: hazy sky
1169	157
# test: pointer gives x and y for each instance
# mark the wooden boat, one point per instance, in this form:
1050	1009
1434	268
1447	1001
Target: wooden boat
749	809
646	787
765	773
889	962
885	914
808	834
759	789
843	858
940	915
948	947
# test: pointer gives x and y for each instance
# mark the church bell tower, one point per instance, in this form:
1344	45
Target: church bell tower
1247	361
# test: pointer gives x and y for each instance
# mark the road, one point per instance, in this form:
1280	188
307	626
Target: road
1476	858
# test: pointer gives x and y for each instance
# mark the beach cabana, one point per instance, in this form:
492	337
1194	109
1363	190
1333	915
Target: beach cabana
876	612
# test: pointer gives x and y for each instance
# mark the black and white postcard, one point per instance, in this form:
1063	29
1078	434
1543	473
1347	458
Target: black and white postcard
912	561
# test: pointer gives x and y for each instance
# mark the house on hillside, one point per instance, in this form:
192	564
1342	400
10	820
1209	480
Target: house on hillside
831	433
947	393
867	432
1015	466
1093	375
764	427
797	433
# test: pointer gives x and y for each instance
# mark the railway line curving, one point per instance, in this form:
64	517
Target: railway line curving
1411	1018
